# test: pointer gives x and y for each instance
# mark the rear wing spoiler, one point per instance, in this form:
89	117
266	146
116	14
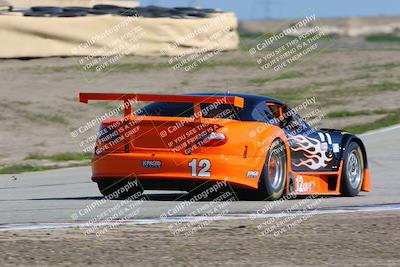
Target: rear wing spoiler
196	100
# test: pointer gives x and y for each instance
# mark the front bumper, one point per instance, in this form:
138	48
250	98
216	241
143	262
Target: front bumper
234	169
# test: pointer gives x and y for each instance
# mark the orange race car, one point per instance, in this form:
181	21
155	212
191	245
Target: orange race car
255	144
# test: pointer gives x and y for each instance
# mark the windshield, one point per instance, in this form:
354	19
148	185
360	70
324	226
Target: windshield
186	110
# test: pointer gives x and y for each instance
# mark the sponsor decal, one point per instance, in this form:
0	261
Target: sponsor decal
153	164
335	147
303	187
252	174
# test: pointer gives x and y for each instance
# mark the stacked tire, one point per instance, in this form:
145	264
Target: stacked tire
149	11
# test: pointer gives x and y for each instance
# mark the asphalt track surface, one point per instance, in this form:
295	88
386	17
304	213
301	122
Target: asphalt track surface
58	196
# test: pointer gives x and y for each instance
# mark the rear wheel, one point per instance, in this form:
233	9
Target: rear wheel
353	171
273	177
120	189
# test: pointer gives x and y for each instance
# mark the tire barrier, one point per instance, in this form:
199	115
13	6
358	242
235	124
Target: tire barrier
147	12
46	31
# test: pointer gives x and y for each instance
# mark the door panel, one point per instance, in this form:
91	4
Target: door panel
313	152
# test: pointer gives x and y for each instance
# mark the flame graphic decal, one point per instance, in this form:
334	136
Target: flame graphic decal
316	158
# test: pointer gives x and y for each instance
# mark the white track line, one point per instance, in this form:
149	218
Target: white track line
188	219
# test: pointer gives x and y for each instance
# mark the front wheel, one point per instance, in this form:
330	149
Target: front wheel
353	171
273	177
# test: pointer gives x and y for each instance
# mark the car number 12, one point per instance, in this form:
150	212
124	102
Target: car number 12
204	166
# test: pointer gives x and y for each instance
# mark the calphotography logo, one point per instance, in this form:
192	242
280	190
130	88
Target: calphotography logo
279	50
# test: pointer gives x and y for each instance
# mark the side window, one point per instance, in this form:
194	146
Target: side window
287	118
275	113
293	121
275	109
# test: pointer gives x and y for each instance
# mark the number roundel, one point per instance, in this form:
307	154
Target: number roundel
204	166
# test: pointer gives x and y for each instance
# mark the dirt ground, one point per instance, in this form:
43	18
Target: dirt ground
39	107
358	239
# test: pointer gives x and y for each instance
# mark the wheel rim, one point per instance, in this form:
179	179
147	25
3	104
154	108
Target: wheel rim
354	169
275	171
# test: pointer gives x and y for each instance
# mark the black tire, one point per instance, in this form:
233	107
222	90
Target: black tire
75	9
71	14
211	10
144	13
47	9
118	189
273	178
186	8
158	9
97	12
108	9
129	13
37	14
353	170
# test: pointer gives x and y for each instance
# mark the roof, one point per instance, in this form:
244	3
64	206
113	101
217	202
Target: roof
253	99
